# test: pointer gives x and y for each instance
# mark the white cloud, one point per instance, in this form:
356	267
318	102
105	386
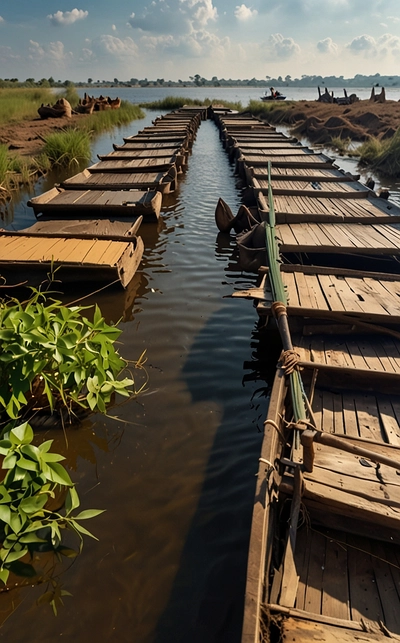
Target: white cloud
327	46
67	17
1	19
281	48
174	17
54	51
362	44
113	27
243	13
198	44
113	46
386	46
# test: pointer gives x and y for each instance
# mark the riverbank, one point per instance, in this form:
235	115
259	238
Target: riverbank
319	122
322	122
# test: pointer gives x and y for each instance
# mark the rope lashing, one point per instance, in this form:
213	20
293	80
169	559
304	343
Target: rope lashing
289	361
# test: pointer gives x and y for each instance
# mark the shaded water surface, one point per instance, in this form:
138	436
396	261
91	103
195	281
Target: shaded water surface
175	470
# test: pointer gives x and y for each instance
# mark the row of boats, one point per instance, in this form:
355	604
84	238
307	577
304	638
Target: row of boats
324	553
87	227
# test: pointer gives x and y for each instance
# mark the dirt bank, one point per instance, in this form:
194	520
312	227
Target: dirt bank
26	137
320	122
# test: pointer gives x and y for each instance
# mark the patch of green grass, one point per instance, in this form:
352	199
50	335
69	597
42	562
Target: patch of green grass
341	145
22	104
382	156
176	102
272	111
68	147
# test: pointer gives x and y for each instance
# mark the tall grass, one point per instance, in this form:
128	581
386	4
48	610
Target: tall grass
67	147
13	170
103	121
22	104
382	156
273	111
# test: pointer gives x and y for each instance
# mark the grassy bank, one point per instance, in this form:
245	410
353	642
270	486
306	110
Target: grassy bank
65	147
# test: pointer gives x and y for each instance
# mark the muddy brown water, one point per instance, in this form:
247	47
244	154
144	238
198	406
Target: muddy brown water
174	469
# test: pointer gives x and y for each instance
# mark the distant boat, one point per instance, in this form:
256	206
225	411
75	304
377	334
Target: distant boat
277	96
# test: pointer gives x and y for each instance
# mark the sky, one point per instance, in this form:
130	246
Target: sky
176	39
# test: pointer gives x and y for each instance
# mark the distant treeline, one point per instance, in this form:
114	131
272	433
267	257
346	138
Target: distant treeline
359	80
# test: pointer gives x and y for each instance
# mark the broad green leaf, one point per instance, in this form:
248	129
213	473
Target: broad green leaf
16	555
4	574
5	514
72	500
88	513
29	465
58	474
21	434
34	503
82	530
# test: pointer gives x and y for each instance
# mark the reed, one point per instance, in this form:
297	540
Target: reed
68	147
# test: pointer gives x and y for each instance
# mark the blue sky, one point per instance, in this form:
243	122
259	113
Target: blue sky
175	39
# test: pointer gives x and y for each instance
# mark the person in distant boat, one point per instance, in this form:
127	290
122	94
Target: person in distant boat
274	93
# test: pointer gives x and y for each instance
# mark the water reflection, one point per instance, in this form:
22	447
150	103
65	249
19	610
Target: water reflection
175	470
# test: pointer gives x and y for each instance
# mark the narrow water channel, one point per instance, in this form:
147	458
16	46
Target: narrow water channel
176	469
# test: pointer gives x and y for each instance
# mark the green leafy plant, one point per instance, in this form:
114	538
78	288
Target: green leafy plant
52	357
27	523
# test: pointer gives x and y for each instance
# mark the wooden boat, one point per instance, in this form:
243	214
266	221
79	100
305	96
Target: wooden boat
97	229
164	182
276	96
28	259
112	164
324	554
78	203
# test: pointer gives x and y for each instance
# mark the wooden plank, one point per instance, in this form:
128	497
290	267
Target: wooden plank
335	589
364	596
313	595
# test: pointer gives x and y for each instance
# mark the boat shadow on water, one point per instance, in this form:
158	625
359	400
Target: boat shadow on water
207	599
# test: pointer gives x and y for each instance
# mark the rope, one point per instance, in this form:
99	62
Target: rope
289	361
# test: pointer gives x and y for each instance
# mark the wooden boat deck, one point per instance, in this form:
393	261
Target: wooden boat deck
160	181
279	174
100	202
378	353
290	209
297	158
138	144
338	238
133	165
359	580
35	256
314	291
95	228
320	188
